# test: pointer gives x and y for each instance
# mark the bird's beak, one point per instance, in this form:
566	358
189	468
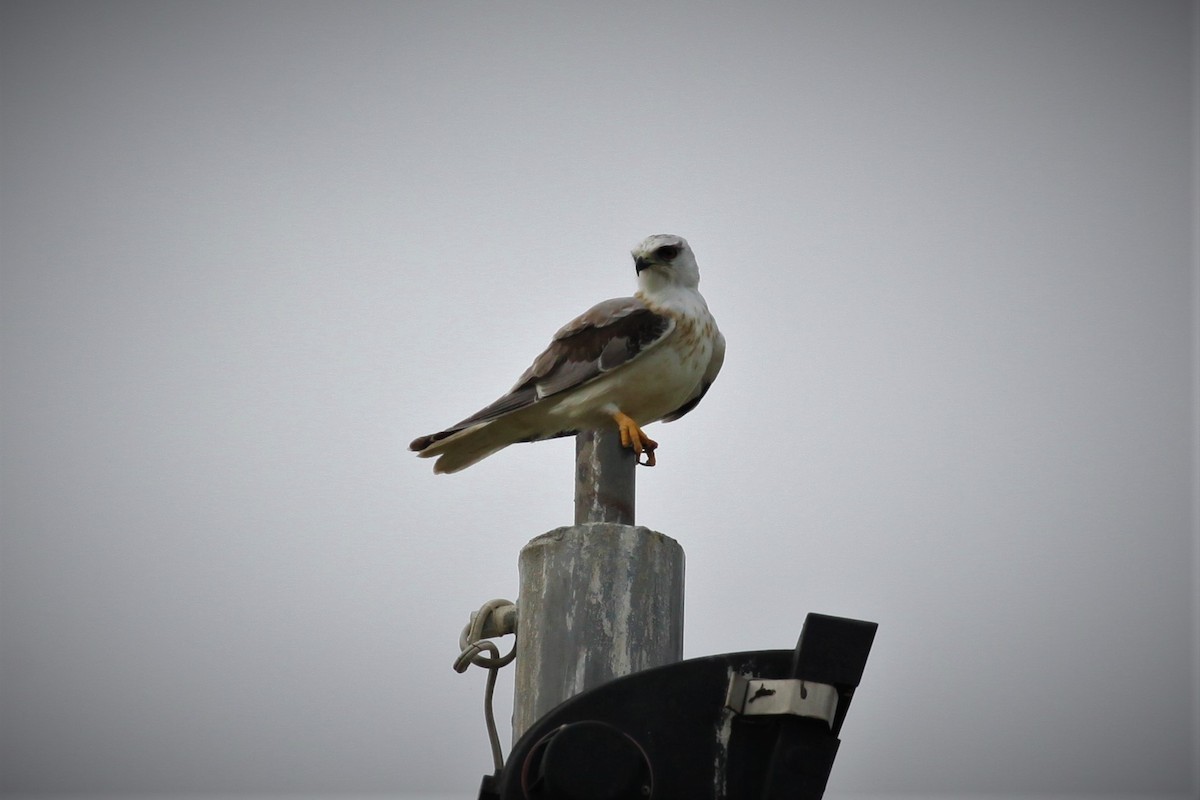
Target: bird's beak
640	263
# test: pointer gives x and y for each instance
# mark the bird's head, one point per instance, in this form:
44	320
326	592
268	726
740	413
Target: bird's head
663	260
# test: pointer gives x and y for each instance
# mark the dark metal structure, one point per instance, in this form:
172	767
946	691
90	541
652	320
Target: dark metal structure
759	725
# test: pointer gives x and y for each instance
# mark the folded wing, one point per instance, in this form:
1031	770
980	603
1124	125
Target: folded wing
603	338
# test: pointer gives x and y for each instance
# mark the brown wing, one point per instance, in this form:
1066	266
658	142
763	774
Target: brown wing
601	339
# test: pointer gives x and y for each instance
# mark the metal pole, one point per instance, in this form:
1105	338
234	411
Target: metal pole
604	478
600	599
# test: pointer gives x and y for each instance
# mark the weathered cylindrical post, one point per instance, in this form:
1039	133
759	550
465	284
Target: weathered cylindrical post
605	478
600	599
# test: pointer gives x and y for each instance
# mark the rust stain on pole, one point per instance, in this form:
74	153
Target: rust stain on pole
604	478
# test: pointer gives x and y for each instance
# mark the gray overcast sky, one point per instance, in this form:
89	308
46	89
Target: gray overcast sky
251	249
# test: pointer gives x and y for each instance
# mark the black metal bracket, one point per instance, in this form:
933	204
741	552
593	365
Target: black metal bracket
760	725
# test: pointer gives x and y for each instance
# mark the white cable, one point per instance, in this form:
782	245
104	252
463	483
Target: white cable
474	645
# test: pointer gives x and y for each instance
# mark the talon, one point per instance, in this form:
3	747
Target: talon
636	439
649	445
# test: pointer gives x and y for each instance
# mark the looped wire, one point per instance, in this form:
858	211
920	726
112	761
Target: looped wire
474	645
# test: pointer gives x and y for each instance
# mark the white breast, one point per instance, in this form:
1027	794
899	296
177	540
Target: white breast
657	382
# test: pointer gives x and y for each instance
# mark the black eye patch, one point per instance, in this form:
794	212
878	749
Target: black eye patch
667	252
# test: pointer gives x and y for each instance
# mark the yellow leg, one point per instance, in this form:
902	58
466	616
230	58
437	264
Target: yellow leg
635	438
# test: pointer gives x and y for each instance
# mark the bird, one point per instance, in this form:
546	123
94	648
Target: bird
625	362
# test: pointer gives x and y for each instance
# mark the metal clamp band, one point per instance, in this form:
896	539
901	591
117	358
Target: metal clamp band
801	698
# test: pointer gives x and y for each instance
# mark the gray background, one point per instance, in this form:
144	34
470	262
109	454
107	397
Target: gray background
251	249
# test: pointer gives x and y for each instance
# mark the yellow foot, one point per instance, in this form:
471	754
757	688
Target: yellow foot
635	438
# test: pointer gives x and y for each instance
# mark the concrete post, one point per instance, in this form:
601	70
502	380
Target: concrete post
600	599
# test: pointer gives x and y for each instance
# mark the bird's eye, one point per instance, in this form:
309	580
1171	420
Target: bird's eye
667	252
